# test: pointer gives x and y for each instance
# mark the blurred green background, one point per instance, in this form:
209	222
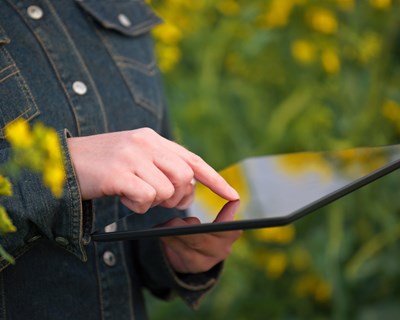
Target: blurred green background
246	78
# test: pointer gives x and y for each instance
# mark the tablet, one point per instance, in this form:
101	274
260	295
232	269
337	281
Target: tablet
274	191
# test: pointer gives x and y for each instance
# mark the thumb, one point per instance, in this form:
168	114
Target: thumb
227	213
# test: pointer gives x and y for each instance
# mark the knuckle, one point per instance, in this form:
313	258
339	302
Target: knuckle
168	192
142	136
147	196
195	159
183	176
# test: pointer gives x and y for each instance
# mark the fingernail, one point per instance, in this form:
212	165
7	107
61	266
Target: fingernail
234	193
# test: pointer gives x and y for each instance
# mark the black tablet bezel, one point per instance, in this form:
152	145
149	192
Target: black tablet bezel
249	224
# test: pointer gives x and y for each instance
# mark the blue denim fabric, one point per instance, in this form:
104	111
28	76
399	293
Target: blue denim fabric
60	273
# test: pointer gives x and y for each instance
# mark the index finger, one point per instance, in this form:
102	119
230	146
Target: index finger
205	174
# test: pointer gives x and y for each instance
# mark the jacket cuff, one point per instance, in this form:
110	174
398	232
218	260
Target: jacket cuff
165	283
78	226
37	214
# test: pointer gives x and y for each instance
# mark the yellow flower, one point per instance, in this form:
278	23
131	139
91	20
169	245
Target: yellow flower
281	235
168	33
6	224
391	111
303	51
370	47
322	20
18	134
228	7
49	158
54	178
5	187
168	57
313	285
276	264
278	13
330	61
381	4
304	285
52	145
322	291
300	259
347	5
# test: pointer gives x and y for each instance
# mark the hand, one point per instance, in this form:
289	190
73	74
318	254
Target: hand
142	168
200	252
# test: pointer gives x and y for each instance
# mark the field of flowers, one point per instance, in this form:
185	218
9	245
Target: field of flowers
247	78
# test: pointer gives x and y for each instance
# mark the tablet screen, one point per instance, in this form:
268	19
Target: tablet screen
276	190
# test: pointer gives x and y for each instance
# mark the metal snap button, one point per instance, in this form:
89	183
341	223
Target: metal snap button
111	227
124	20
62	241
35	12
109	258
79	88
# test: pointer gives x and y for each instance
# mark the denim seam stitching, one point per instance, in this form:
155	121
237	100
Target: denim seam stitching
149	107
81	62
10	66
75	227
148	69
8	76
24	89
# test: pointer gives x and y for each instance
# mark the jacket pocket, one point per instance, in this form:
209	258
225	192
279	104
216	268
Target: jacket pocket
16	100
123	26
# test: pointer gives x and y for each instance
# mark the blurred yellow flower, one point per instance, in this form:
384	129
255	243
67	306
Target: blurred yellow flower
330	61
278	13
303	51
168	33
6	224
228	7
322	20
52	145
53	178
39	150
381	4
18	134
168	56
276	263
391	111
313	285
300	259
281	235
5	187
322	291
370	47
347	5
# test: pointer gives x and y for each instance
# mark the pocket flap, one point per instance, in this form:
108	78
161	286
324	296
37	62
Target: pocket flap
3	37
130	17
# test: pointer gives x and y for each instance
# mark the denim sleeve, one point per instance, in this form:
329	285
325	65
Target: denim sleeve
165	283
36	213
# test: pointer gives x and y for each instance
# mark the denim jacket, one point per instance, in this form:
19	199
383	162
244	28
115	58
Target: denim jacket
83	67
